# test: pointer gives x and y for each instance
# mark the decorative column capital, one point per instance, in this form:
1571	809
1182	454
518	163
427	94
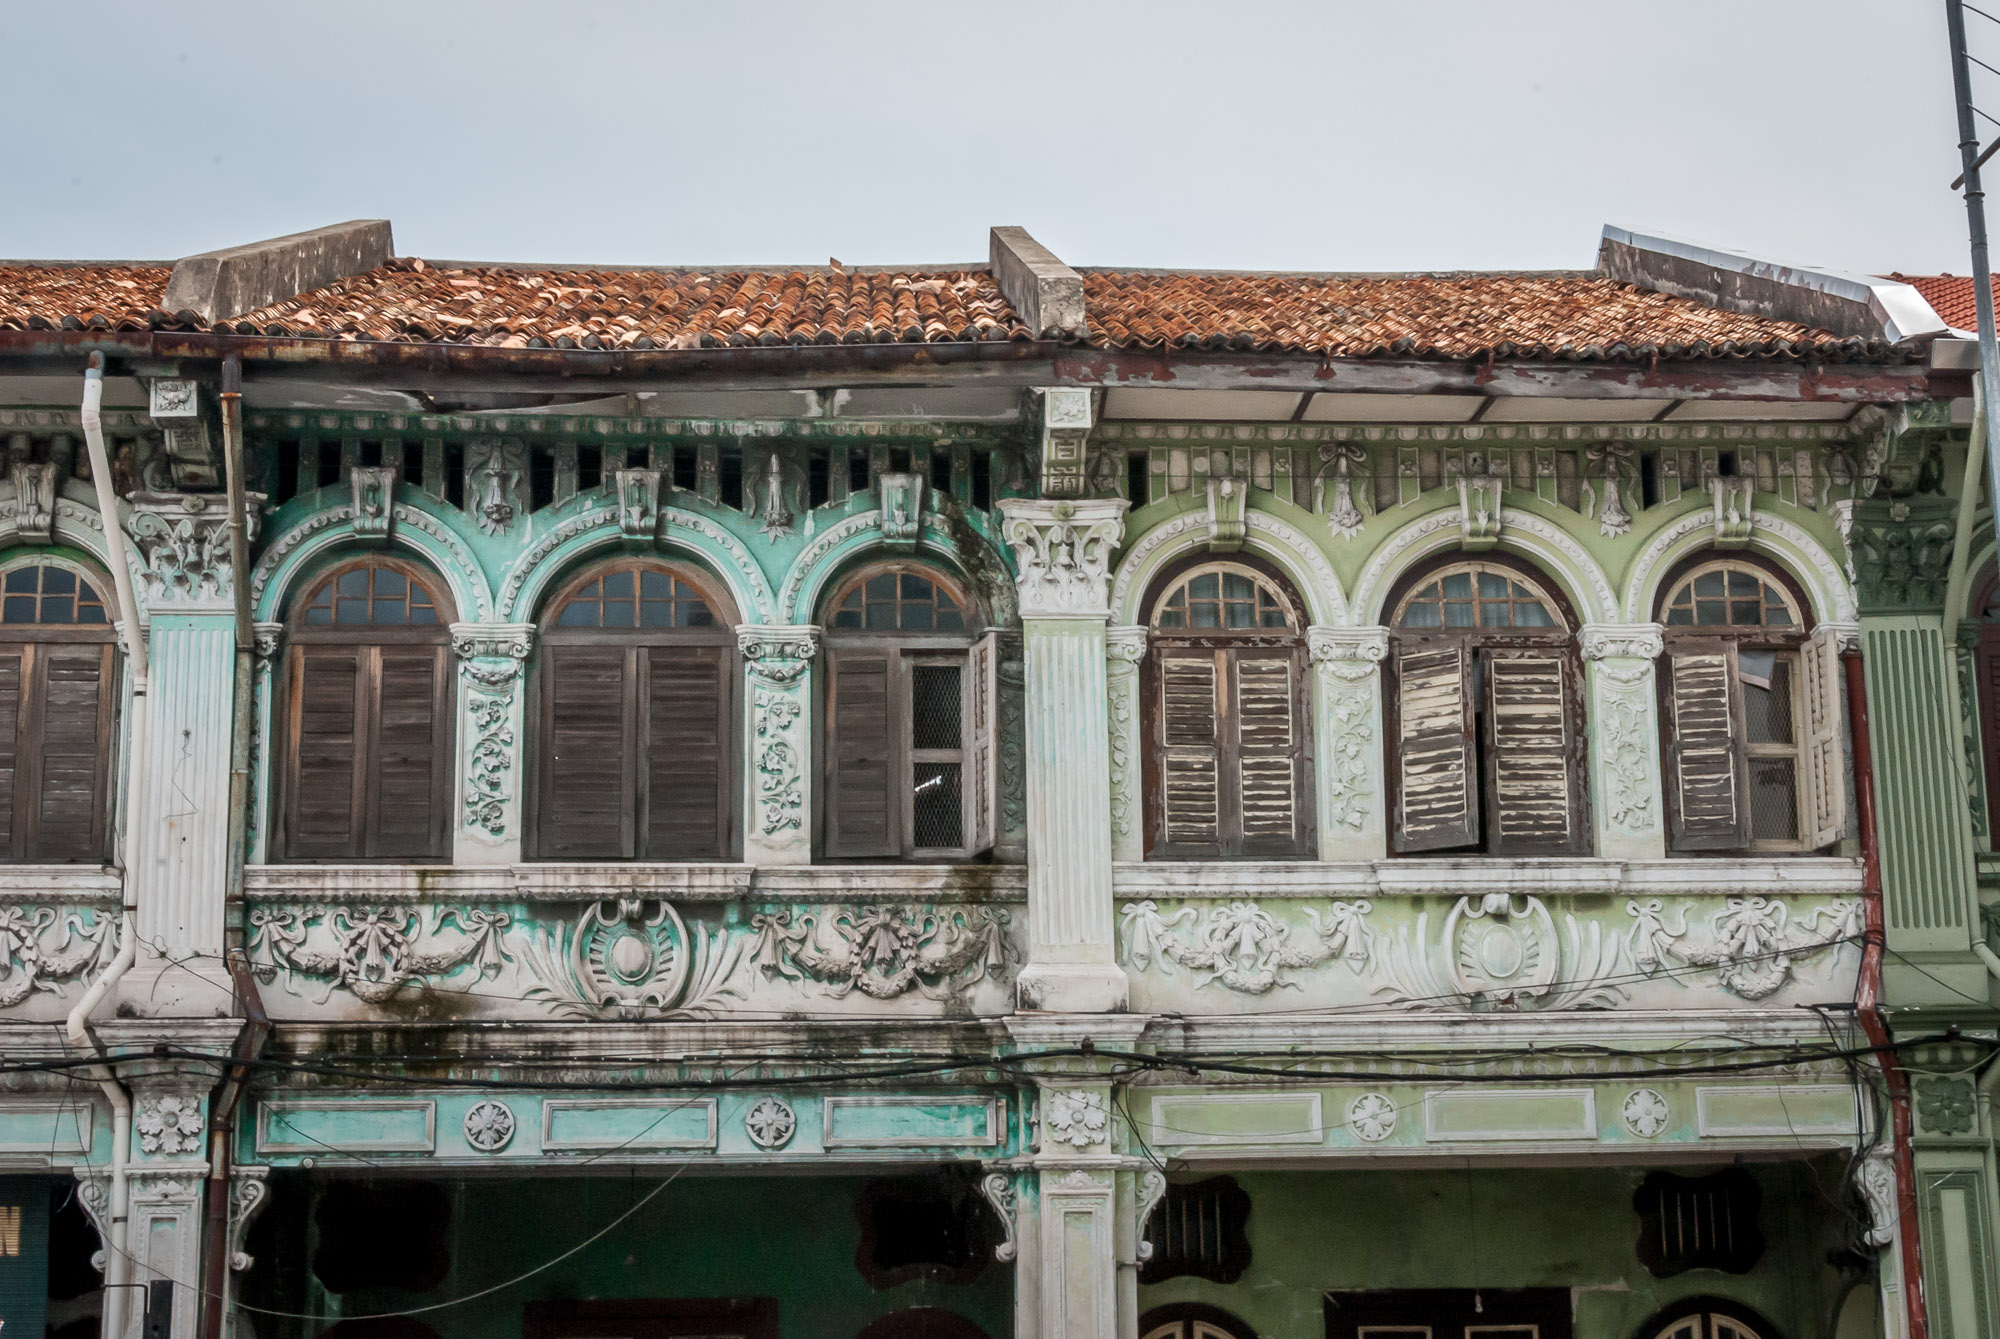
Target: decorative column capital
1626	641
493	641
183	543
266	639
1901	552
1063	549
777	654
1349	652
1125	646
1847	636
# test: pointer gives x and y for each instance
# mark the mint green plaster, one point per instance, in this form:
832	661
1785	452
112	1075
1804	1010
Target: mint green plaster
1312	1232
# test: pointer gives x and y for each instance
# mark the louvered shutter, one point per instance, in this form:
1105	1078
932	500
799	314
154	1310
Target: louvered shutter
1531	761
687	758
1825	741
1190	760
1707	776
982	748
75	738
1435	806
324	788
1269	753
13	831
411	792
587	771
860	755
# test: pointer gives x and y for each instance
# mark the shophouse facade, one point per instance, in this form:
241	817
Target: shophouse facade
985	800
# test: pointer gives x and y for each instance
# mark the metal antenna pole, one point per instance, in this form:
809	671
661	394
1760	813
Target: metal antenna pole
1975	223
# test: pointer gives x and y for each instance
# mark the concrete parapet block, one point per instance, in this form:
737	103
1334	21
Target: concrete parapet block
1047	293
220	284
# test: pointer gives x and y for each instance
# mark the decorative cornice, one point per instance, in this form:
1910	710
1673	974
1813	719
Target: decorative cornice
1458	434
1632	641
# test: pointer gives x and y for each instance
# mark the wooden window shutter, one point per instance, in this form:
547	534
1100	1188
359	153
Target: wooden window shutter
13	830
1435	802
1269	753
1708	780
982	748
1825	740
324	793
74	742
411	790
1531	752
1190	764
861	755
587	799
686	776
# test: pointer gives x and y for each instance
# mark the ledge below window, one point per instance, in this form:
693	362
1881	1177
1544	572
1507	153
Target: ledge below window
543	881
1778	876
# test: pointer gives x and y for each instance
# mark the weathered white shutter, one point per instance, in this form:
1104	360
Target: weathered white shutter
982	751
1708	782
1189	757
1530	752
1435	807
1825	741
1268	754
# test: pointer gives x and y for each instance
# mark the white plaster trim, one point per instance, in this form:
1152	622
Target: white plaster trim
1821	573
291	559
269	1110
1522	534
651	1140
833	1104
1708	1129
1269	537
1433	1100
551	881
1776	876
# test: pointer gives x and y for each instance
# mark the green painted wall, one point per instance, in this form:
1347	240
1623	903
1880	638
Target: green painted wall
792	1238
1311	1232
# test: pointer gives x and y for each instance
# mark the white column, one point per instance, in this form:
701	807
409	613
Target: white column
777	714
167	1176
488	816
1348	741
1622	715
1063	551
1126	649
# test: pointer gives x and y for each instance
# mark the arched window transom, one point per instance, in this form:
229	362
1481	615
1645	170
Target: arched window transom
370	596
1477	596
50	595
648	597
899	601
1729	595
1224	597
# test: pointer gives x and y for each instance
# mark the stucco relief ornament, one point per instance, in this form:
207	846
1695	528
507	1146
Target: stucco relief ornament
998	1187
169	1124
1344	518
34	505
1610	463
489	1126
376	951
767	502
633	957
184	540
770	1123
29	962
1077	1117
1372	1117
1349	669
1644	1112
780	779
495	472
1240	945
883	951
1753	943
1876	1180
1945	1106
1503	951
1064	551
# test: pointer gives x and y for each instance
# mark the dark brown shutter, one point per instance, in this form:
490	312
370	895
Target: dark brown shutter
587	772
1435	808
324	821
75	739
1825	769
1190	753
860	755
13	831
412	792
1269	753
1707	781
687	763
1531	753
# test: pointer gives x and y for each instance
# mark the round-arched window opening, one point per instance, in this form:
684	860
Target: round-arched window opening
1473	596
637	597
1730	595
1192	1320
51	596
899	599
370	595
1223	597
1707	1318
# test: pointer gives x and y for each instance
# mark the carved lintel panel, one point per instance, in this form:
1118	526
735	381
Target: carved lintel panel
900	498
1227	500
638	494
1066	421
1479	511
374	502
1063	550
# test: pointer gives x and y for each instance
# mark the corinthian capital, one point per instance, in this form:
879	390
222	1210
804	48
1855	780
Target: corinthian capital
1064	549
1629	641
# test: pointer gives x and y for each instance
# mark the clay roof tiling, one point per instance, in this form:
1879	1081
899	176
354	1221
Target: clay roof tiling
1951	296
410	301
1542	316
82	297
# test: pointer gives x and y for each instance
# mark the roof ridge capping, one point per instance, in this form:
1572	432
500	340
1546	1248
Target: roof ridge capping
1047	293
1846	304
218	285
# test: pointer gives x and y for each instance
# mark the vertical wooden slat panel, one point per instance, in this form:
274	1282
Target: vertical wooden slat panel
982	752
860	801
13	827
1190	755
587	754
687	762
408	786
1530	756
324	821
1708	778
72	747
1826	752
1270	759
1435	807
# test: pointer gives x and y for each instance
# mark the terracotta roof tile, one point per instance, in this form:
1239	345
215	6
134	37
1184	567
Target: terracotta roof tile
1951	296
82	297
414	302
1556	316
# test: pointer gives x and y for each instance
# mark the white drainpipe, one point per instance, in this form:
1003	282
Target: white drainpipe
117	1256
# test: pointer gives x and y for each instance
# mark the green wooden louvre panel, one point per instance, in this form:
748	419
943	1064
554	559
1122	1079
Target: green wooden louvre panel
24	1255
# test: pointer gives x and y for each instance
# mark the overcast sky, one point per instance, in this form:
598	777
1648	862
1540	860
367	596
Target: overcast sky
1340	135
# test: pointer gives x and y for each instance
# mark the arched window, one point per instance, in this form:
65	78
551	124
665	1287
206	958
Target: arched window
1751	719
1193	1320
1707	1318
1225	719
58	696
1488	714
637	738
367	760
909	754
